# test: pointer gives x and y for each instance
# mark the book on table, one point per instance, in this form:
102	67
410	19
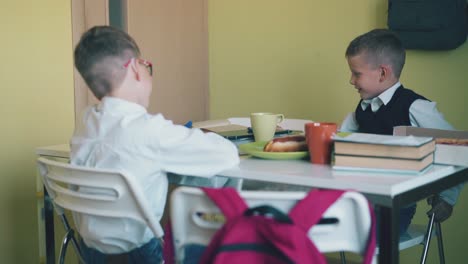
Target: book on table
360	144
226	129
218	125
362	150
366	162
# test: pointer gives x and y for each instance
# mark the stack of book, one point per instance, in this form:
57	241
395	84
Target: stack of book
382	152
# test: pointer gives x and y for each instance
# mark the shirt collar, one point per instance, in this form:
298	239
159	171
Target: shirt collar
381	99
117	105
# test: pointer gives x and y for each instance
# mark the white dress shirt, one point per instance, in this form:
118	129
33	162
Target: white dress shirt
117	134
423	113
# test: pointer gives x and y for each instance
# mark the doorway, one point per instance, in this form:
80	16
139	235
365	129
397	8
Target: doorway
172	34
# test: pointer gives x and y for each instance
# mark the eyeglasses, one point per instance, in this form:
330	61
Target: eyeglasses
143	62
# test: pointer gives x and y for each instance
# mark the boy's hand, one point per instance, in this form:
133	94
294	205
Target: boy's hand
441	209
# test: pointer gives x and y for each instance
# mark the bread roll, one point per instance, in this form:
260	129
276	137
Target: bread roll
286	144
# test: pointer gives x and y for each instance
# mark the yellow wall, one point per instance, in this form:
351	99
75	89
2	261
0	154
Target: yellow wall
288	57
36	109
265	55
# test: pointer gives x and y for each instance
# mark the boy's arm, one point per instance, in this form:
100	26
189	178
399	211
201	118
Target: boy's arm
425	114
349	123
191	152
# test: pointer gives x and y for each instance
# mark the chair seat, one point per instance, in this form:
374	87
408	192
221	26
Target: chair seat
414	236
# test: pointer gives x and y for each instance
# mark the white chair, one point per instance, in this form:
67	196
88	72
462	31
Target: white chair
195	219
116	195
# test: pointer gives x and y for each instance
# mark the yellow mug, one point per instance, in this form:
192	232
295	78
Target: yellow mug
264	125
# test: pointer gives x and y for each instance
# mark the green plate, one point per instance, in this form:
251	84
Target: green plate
256	149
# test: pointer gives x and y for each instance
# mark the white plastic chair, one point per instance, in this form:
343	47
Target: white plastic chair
117	195
195	219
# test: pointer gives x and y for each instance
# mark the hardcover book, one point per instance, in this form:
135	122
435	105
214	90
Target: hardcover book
385	152
367	162
373	145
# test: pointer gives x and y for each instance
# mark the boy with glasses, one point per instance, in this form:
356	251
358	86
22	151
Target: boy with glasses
118	133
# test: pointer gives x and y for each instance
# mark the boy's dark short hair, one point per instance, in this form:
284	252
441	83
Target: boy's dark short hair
100	57
380	46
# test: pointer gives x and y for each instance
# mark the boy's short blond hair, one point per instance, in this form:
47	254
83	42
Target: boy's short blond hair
380	46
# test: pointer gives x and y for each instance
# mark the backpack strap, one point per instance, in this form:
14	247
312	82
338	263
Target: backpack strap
228	201
292	239
168	245
318	200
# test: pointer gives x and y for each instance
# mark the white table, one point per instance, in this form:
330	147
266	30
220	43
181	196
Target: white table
389	191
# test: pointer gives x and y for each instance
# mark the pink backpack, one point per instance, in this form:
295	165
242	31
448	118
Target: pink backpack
248	236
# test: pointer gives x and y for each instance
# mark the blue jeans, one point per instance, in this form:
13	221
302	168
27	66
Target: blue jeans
406	215
149	253
193	253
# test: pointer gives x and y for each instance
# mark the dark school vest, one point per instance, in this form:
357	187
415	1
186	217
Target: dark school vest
395	113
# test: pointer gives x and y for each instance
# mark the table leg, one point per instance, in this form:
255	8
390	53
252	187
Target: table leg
49	228
389	235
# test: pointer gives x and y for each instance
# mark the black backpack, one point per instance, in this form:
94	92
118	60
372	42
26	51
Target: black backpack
429	24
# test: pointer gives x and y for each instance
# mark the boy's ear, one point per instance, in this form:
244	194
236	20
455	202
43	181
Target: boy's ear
135	70
385	72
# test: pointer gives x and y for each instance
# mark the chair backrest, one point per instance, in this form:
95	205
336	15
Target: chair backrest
195	219
96	192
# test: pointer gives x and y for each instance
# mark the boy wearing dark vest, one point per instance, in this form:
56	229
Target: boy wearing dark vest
376	60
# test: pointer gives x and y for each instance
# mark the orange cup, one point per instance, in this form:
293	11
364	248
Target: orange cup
319	141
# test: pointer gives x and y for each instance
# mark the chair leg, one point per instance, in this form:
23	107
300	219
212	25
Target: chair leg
63	248
440	243
427	240
343	257
69	235
77	248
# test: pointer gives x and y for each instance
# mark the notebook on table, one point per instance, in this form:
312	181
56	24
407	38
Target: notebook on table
233	131
248	134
